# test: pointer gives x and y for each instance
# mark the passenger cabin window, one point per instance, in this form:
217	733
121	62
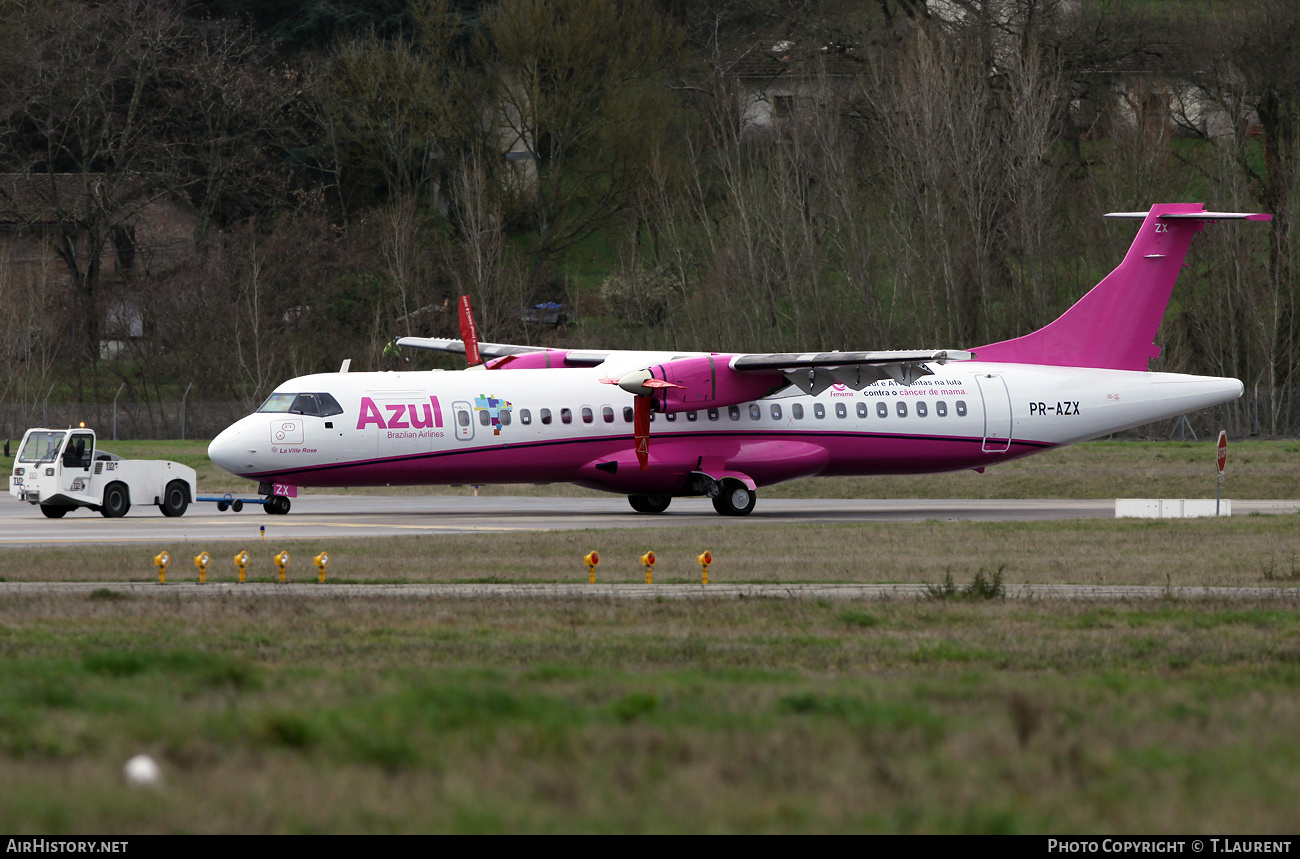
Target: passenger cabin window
671	416
504	415
713	414
607	414
921	408
733	412
841	410
819	411
796	411
901	408
961	408
629	414
755	413
587	415
941	409
776	412
566	416
525	417
882	410
484	419
690	416
862	410
546	415
462	418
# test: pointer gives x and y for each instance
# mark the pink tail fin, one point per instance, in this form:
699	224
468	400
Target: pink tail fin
1114	325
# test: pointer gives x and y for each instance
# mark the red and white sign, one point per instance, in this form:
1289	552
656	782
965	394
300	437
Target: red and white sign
1223	450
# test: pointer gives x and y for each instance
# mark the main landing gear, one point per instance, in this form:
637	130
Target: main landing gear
733	499
649	503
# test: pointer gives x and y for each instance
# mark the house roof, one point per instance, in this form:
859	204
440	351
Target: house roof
45	198
786	59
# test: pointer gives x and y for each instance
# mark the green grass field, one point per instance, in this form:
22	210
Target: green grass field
712	715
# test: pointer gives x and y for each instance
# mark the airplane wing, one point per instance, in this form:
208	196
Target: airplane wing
563	357
814	372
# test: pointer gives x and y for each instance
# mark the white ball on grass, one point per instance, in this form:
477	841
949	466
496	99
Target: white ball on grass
142	771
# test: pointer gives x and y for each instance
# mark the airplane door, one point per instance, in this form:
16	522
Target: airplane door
997	412
464	415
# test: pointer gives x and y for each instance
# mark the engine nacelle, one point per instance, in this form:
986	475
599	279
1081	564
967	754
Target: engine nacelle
706	382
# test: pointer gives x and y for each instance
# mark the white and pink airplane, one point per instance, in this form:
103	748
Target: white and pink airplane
659	425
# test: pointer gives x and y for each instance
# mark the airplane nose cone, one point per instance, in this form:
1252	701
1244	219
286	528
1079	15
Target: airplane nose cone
225	450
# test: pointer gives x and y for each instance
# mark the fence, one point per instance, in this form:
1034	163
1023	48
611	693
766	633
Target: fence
1264	413
174	419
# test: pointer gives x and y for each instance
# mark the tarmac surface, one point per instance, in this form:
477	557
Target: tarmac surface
317	516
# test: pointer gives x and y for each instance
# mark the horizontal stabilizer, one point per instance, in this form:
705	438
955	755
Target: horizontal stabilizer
1195	216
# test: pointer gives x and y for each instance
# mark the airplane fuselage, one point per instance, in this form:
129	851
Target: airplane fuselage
564	425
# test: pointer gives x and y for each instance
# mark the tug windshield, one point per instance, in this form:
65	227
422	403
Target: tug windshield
41	447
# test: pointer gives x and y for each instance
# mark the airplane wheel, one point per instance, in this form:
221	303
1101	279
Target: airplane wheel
117	500
176	498
735	499
277	505
649	503
54	511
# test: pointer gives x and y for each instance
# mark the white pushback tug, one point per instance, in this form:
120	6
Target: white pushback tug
62	469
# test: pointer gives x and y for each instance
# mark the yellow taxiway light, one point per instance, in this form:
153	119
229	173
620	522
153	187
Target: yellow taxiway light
322	561
161	560
201	560
704	559
648	561
591	559
241	561
281	561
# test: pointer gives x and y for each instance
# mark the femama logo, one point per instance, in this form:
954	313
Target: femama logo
399	414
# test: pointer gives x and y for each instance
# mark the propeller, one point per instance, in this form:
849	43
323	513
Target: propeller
468	332
642	385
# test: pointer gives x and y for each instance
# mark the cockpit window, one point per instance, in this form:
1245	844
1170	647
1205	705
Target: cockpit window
316	405
41	447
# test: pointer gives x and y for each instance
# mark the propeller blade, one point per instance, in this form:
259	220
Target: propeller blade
641	431
606	380
469	333
660	383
